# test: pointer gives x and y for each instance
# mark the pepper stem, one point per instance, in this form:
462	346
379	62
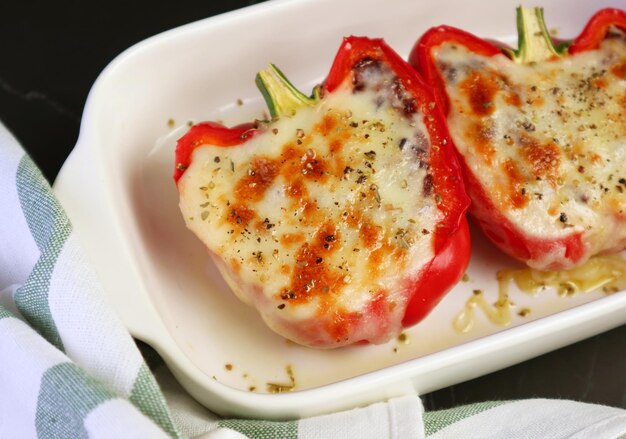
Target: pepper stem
282	98
534	41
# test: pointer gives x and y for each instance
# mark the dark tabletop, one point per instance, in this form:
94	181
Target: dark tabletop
51	54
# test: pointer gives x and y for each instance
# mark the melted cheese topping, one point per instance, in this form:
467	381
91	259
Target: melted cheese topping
606	272
321	220
547	140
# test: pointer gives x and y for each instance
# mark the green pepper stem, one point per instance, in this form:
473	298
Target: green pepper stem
282	98
534	41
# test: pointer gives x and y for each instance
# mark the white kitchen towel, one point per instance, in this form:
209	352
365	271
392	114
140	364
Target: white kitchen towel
69	369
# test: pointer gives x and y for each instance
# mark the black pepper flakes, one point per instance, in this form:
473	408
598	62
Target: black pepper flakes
563	217
370	154
528	126
288	295
267	224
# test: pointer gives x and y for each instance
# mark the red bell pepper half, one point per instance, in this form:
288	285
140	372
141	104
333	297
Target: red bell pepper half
449	239
485	92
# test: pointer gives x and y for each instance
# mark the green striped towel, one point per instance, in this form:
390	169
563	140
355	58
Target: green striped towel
69	369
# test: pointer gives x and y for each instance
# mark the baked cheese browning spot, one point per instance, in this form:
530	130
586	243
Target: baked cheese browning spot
382	250
261	175
343	321
536	101
370	234
513	99
386	256
622	114
481	135
235	265
239	216
312	167
515	194
296	190
619	70
480	91
344	128
600	81
542	159
290	239
297	162
327	125
312	276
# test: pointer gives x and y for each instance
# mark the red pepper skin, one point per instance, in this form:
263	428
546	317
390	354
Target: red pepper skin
444	271
208	133
596	29
451	237
501	231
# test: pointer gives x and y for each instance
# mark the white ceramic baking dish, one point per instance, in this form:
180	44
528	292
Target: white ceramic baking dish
117	189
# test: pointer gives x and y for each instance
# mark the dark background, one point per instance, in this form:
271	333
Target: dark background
52	52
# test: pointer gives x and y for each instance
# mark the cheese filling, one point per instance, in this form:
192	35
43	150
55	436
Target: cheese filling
326	214
547	140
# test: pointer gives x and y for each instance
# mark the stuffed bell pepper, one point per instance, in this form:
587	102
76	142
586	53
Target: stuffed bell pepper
341	220
541	134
